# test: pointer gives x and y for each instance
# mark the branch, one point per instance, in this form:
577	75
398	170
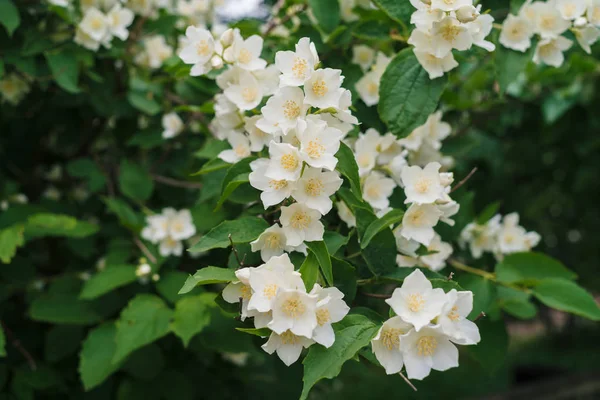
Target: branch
481	315
177	183
276	21
407	381
17	345
377	295
237	256
464	180
144	249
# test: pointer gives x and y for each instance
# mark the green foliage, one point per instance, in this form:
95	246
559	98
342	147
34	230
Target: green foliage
391	218
399	11
327	13
242	230
65	69
208	276
107	280
530	268
96	358
63	309
10	239
319	249
192	315
9	16
2	343
347	167
135	182
310	270
567	296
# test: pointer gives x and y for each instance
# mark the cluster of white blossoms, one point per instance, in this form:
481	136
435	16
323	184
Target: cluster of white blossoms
13	88
549	20
444	25
368	85
275	296
169	229
499	236
98	28
427	325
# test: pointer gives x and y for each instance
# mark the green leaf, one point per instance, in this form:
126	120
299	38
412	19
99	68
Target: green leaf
39	225
516	303
107	280
445	284
242	230
391	218
232	184
192	314
128	218
97	352
62	341
9	16
310	271
87	169
134	181
144	101
2	343
262	332
484	293
334	241
344	278
208	276
327	13
320	251
529	268
510	64
407	95
145	319
348	167
212	166
351	334
488	213
211	149
399	11
491	352
169	284
565	295
380	255
63	309
11	238
65	69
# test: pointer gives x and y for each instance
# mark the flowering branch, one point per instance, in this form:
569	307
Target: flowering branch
144	250
466	178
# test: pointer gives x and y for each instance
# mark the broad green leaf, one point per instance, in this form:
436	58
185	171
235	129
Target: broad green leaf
327	13
529	268
516	303
351	200
213	165
491	352
488	213
344	278
310	271
242	230
2	343
351	334
348	167
391	218
63	309
232	184
58	225
134	181
445	284
192	314
399	11
107	280
169	284
407	95
320	251
144	101
510	64
97	352
65	69
9	16
62	341
484	293
208	276
211	149
10	239
565	295
145	319
262	332
334	241
380	255
124	212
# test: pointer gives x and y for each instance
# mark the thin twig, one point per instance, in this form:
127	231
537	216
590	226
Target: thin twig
275	21
450	276
237	256
407	381
481	315
475	271
17	345
144	250
377	295
464	180
177	183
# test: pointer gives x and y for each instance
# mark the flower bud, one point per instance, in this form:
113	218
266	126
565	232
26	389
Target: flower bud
446	178
580	22
228	56
467	14
227	38
216	62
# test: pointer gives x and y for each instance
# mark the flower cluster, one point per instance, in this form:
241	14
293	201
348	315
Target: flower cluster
98	28
499	236
169	229
13	88
444	25
426	326
276	297
368	85
549	20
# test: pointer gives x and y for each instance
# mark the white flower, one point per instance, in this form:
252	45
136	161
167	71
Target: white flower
435	67
343	114
85	40
450	5
516	33
60	3
157	226
240	148
479	29
440	251
366	159
119	19
246	94
586	36
449	34
512	237
330	309
170	246
323	88
268	79
156	51
95	24
418	222
269	279
434	130
593	12
368	88
283	111
550	51
286	162
172	125
571	9
481	237
363	56
319	143
346	10
181	225
345	214
246	53
287	345
427	349
274	191
377	189
300	224
315	187
548	21
143	270
258	138
240	289
13	88
296	67
448	210
422	186
386	345
468	13
416	302
271	243
453	318
425	15
199	50
294	310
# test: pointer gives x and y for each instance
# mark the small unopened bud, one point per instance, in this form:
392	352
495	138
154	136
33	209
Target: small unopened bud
227	38
156	277
216	62
580	22
143	270
446	178
467	14
228	55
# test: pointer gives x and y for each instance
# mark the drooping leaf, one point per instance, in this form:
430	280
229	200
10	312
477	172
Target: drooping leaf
488	212
399	11
407	95
208	276
192	314
391	218
567	296
334	241
320	251
242	230
530	267
107	280
484	292
9	16
348	167
344	278
232	184
213	165
95	359
64	66
134	181
124	212
327	13
10	239
58	225
380	254
310	271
